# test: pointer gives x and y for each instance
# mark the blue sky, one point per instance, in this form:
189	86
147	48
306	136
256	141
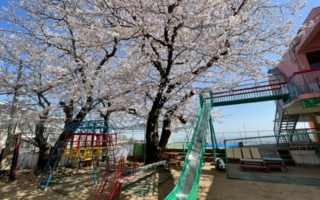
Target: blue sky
254	116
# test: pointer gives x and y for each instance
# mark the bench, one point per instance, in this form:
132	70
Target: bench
275	163
253	164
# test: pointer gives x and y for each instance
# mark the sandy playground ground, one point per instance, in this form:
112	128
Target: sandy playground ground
214	185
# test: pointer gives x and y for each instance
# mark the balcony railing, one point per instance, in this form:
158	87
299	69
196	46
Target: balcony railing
304	82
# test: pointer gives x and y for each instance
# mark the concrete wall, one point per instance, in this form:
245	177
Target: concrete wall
124	150
305	156
3	138
27	160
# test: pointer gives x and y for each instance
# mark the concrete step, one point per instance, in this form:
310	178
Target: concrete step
283	152
289	162
286	157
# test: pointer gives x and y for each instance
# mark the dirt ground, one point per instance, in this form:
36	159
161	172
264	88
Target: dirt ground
214	185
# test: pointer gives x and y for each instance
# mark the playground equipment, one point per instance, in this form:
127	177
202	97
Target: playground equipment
86	143
119	176
116	179
188	182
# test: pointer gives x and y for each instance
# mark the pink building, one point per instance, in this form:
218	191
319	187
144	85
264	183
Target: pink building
300	67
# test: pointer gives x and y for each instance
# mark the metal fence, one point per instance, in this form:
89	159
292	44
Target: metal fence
221	136
132	134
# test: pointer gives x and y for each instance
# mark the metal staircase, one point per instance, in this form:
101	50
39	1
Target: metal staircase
289	122
287	125
284	124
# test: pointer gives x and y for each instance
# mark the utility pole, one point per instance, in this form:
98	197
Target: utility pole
244	127
12	126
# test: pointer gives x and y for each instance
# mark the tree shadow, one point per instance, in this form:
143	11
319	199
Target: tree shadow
165	188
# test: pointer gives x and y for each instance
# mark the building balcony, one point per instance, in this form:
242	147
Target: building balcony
304	90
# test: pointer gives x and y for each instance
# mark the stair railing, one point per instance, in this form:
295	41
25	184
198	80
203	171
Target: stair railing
277	120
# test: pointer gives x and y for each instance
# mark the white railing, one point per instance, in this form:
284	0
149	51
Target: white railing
221	136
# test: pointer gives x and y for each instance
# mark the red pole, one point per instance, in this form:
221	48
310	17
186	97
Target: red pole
85	142
119	191
78	143
92	140
18	149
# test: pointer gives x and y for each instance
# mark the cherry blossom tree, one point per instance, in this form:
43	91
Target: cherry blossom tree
69	58
35	86
179	47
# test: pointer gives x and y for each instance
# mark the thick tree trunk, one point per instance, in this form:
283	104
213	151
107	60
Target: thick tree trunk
152	137
166	132
44	147
106	118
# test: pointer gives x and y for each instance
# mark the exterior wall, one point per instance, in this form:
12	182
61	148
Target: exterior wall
315	126
286	67
295	59
3	139
314	45
305	156
305	40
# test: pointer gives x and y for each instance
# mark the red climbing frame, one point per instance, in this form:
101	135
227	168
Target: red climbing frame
83	144
116	179
16	145
89	139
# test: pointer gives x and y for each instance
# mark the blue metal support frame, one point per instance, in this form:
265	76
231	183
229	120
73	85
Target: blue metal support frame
93	168
93	126
55	163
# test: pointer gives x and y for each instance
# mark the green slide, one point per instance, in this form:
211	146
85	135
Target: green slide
188	183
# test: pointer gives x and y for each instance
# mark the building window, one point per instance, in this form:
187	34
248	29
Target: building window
314	59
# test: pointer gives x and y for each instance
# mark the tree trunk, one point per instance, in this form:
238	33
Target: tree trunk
44	147
106	118
166	132
152	137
